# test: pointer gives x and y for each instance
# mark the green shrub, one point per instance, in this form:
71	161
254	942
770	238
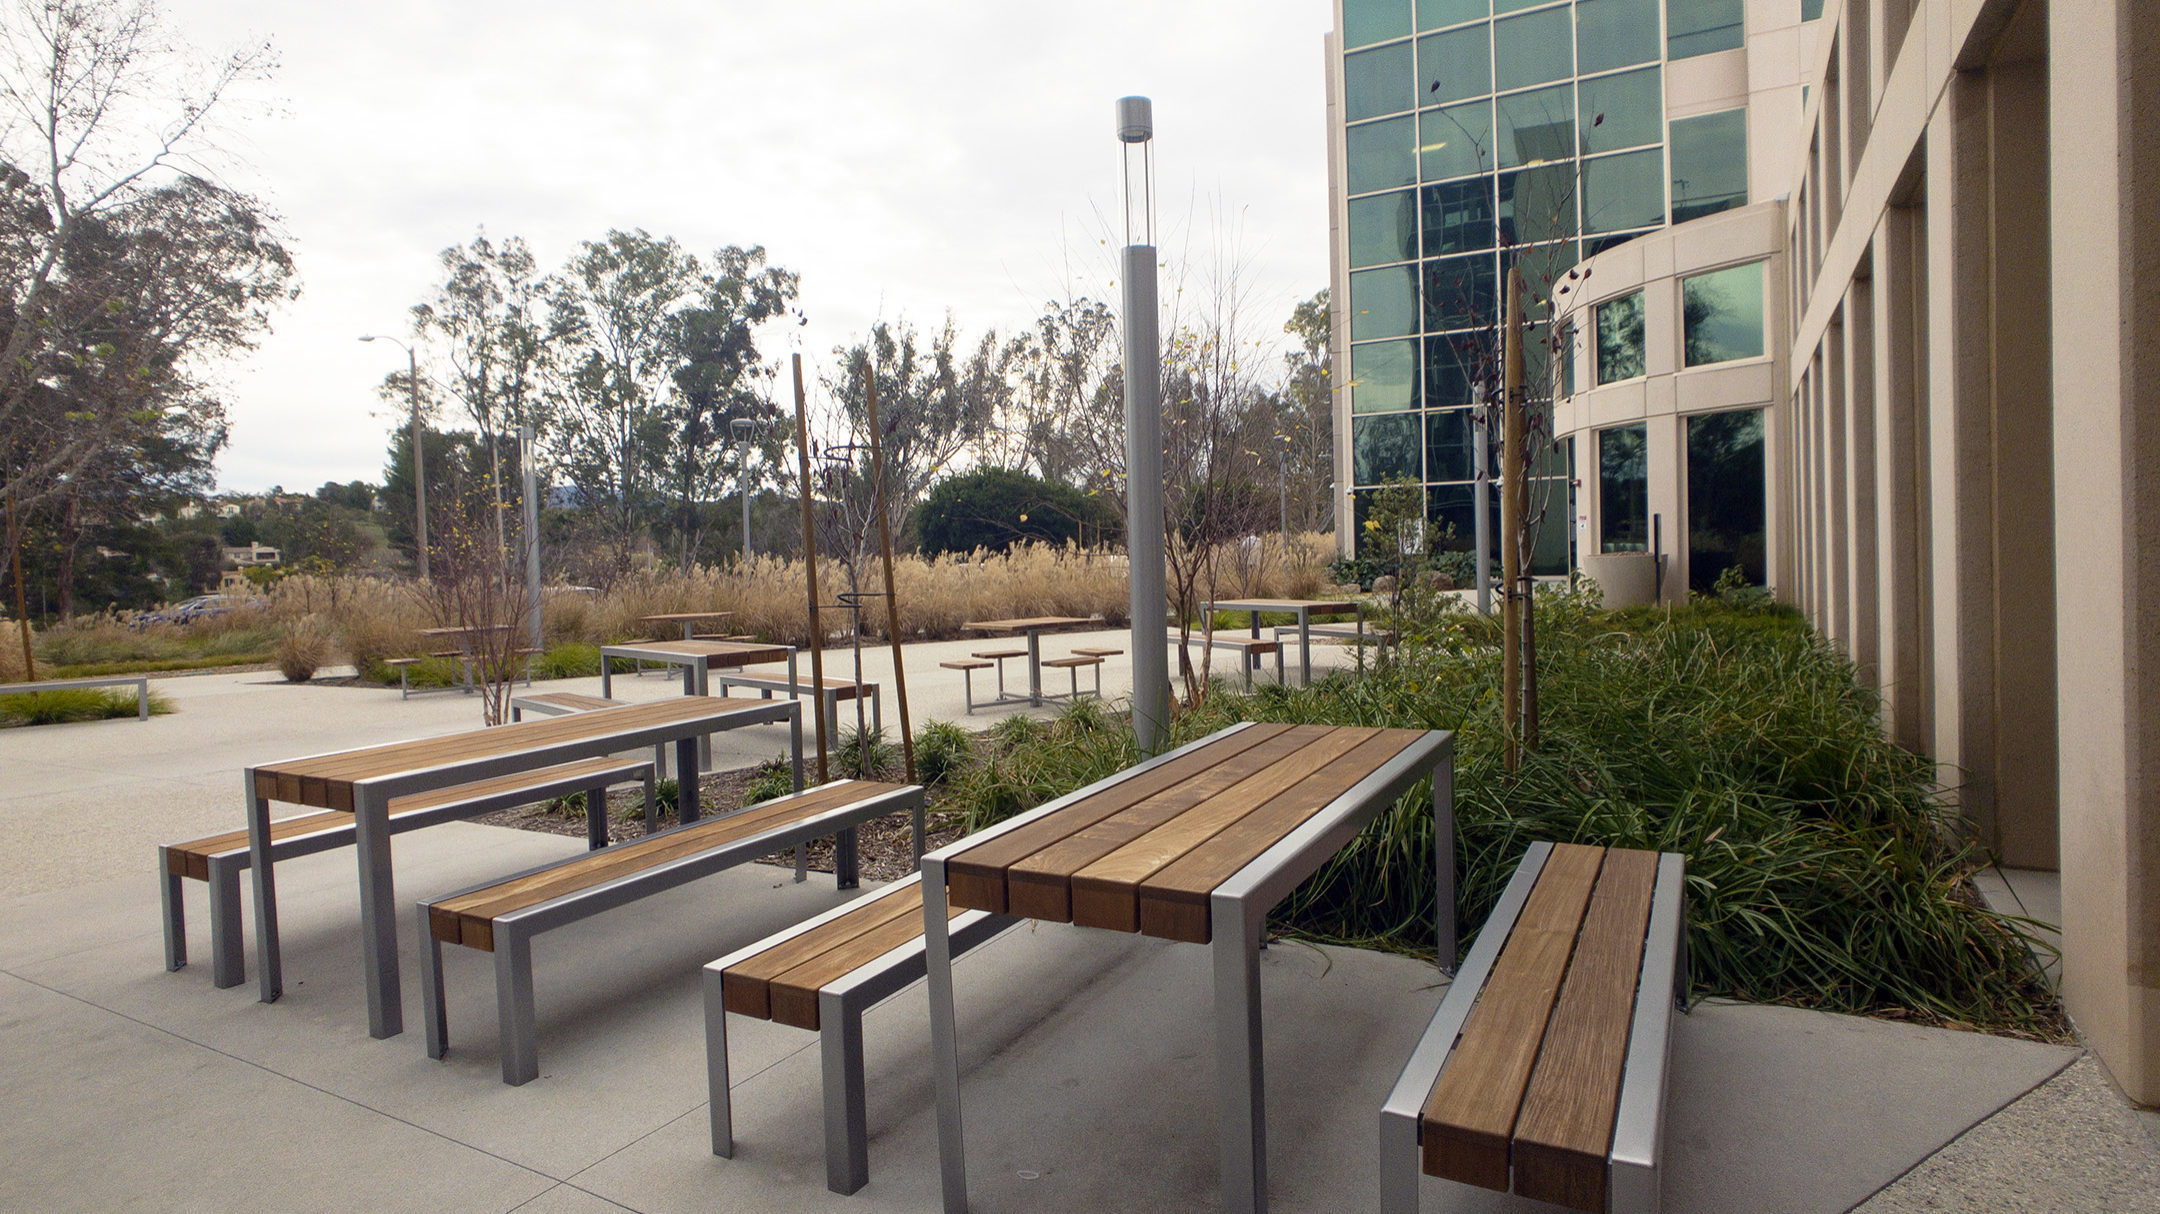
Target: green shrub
942	751
863	755
774	778
569	660
69	704
992	509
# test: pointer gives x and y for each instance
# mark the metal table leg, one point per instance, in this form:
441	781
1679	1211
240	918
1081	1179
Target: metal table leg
1034	667
268	970
944	1049
1304	647
378	914
1240	1074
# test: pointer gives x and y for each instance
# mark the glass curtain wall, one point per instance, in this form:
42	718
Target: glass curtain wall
1726	504
1483	135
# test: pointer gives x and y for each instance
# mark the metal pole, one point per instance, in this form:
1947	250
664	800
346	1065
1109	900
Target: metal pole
1513	499
746	500
419	468
892	601
1481	435
809	537
532	529
1143	447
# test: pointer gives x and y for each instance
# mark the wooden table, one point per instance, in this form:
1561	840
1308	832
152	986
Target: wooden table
363	782
698	659
1034	627
1305	610
1197	845
464	635
686	618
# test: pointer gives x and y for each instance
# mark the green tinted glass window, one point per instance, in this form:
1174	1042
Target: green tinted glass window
1623	489
1619	331
1726	505
1623	111
1615	33
1436	14
1454	65
1509	6
1456	141
1365	22
1709	164
1564	353
1538	204
1379	81
1383	376
1383	228
1721	315
1382	155
1544	268
1458	216
1383	303
1624	191
1451	363
1449	453
1385	446
1534	48
1700	27
1810	10
1460	292
1536	126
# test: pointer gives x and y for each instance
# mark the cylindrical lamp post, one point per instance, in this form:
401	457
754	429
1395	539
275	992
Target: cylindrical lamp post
1481	439
1143	430
419	468
532	529
744	428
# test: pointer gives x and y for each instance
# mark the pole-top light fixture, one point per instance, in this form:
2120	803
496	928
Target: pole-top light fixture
1136	130
743	427
1135	119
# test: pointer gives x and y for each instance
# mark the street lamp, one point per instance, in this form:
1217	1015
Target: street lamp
1481	447
744	428
1143	429
419	470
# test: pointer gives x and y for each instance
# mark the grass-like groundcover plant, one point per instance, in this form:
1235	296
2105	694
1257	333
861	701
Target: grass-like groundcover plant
73	704
1823	869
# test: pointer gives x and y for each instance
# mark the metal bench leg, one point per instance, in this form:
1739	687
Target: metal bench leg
434	1011
967	689
1399	1164
1241	1113
228	952
716	1073
916	812
176	911
845	874
652	798
596	823
847	1149
142	699
514	1006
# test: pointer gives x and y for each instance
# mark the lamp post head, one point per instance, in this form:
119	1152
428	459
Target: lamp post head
1136	131
743	428
1136	119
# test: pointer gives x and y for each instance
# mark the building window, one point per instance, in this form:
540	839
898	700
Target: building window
1460	293
1700	27
1623	489
1626	110
1382	155
1438	14
1450	364
1383	303
1721	315
1458	217
1619	338
1709	164
1725	498
1810	10
1450	449
1385	447
1379	82
1454	65
1624	191
1383	376
1538	205
1564	350
1368	21
1456	141
1615	33
1533	48
1537	126
1383	228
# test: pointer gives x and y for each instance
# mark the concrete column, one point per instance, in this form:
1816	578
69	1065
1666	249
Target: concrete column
2105	170
1836	619
1863	572
1898	545
1960	444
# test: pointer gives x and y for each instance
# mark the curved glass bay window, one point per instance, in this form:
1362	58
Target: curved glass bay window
1619	331
1623	489
1721	315
1726	506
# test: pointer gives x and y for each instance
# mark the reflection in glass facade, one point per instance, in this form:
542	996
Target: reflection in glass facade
1702	27
1726	505
1619	332
1623	489
1721	315
1709	164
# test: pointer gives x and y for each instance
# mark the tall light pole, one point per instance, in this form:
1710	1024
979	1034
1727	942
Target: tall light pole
532	530
1481	448
744	428
1143	430
419	469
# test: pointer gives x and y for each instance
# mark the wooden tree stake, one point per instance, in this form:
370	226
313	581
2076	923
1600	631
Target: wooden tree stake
892	600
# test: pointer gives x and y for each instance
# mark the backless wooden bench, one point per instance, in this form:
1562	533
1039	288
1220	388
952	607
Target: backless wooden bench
1249	650
1543	1072
822	975
220	859
502	917
141	684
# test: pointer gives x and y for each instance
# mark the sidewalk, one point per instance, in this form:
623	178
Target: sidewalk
1088	1080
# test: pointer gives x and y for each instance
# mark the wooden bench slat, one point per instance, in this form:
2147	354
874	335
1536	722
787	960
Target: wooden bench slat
1470	1116
567	699
975	878
1565	1131
795	993
1106	893
504	784
471	915
1173	904
746	985
192	858
1040	886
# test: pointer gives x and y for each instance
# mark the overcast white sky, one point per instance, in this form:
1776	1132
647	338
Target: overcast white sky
906	159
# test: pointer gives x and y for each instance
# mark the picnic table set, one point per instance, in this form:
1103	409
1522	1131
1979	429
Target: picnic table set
1542	1073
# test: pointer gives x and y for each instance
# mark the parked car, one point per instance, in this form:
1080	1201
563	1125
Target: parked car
201	607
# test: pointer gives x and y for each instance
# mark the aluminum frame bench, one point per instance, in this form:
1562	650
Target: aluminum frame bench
141	684
1543	1072
829	693
822	975
967	668
1074	665
220	859
1248	649
503	916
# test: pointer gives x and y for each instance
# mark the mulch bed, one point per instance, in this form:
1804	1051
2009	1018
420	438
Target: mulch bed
884	847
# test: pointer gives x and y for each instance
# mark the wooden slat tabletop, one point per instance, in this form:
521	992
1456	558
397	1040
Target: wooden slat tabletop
1314	606
1166	838
717	655
1027	624
326	781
